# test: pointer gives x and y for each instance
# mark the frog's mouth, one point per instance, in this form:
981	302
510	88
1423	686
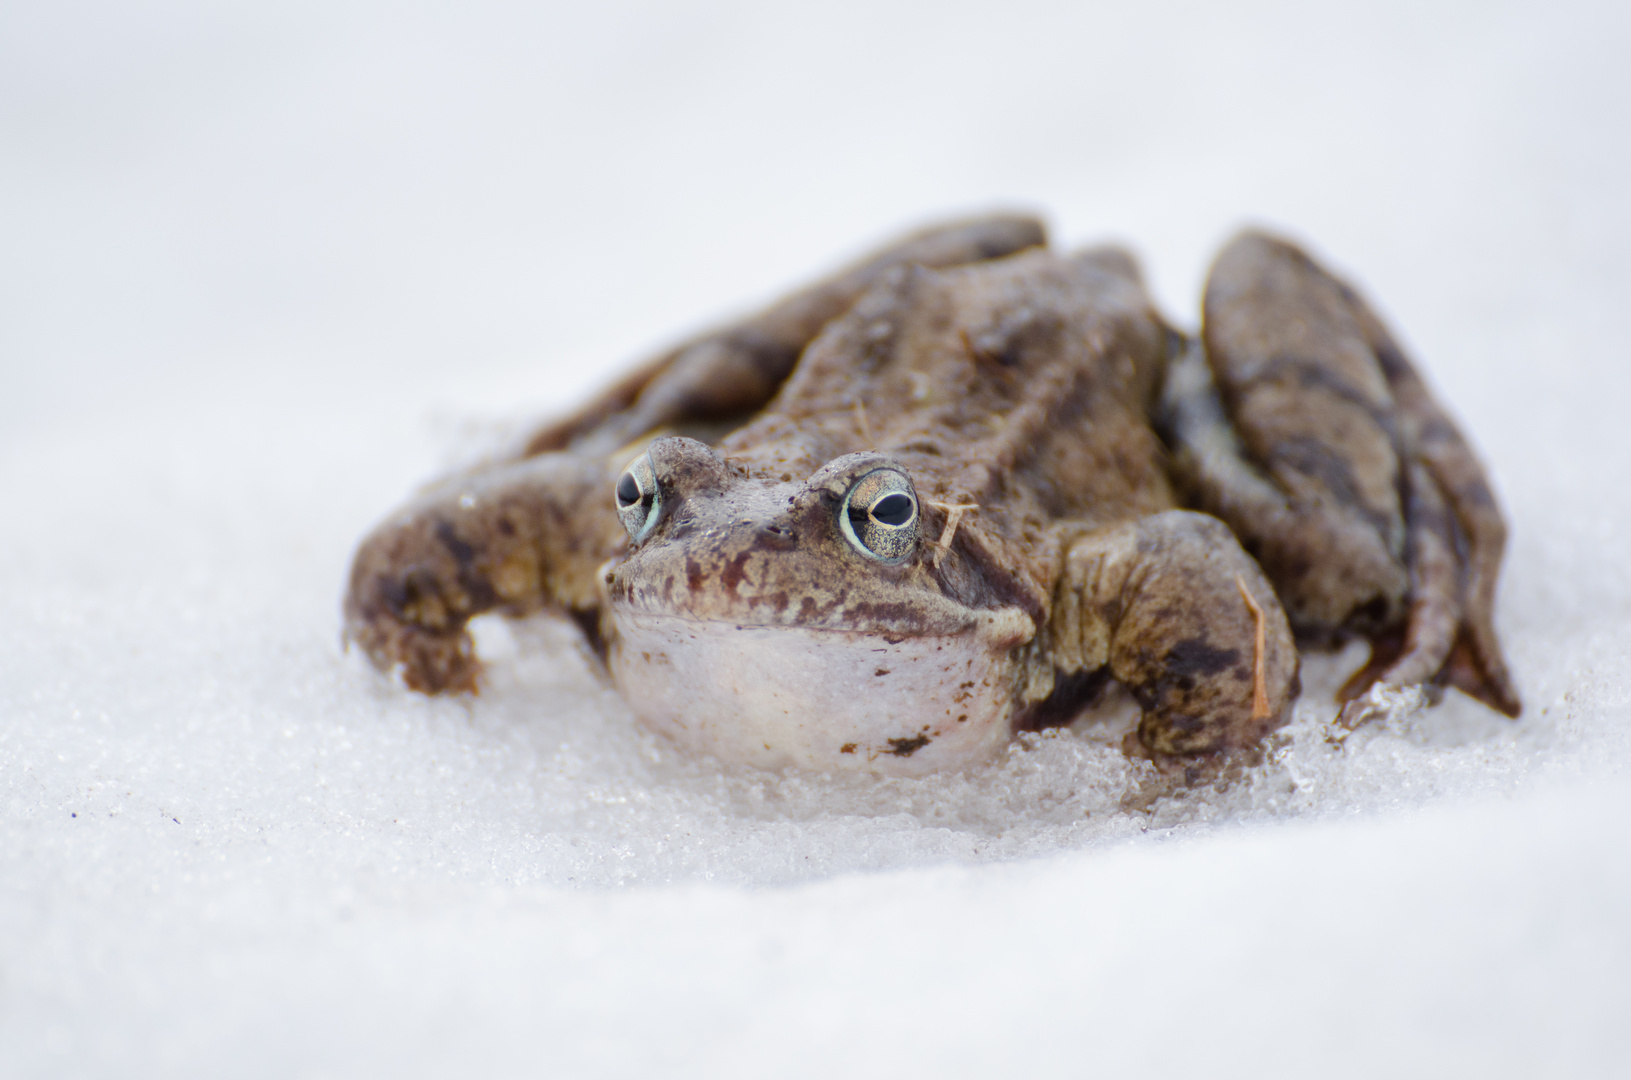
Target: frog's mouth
823	699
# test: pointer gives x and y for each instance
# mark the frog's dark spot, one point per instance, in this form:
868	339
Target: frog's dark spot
1185	725
694	577
732	575
1193	656
881	671
461	551
1372	613
480	590
1071	694
398	593
1473	493
1326	466
1437	429
847	748
908	747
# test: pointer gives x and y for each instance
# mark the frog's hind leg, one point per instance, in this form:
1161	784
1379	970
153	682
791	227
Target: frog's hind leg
1467	519
1301	424
715	382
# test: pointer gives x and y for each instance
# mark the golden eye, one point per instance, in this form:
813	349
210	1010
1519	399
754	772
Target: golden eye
639	500
879	516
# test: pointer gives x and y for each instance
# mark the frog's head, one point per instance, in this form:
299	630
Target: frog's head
806	623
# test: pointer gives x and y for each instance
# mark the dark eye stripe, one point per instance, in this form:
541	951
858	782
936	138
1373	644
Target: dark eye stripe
893	509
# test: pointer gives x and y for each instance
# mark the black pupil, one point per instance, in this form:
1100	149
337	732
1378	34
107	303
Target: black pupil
893	509
628	492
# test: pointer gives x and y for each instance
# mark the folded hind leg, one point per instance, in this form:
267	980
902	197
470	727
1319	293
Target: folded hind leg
1467	520
1300	423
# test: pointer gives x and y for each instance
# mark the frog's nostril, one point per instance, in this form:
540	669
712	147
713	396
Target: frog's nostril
778	537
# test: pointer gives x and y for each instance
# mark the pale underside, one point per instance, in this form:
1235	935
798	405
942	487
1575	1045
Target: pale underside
826	700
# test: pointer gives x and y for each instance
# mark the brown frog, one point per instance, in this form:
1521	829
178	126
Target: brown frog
953	491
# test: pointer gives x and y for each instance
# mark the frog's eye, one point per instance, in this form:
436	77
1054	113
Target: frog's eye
638	499
879	515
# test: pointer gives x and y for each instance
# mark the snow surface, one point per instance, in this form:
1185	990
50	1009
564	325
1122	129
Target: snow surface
264	268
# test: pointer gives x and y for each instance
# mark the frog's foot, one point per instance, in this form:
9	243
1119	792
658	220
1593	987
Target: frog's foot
1188	623
1175	775
407	608
1301	423
512	539
430	661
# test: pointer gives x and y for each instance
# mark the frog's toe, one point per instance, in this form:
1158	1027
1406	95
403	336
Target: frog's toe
401	626
428	661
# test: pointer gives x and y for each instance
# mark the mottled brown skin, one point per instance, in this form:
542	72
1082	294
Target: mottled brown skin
1048	396
1330	460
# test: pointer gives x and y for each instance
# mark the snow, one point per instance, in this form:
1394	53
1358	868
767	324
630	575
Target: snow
266	268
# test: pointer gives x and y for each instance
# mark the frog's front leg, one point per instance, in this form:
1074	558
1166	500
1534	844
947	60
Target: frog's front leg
1187	622
1301	424
514	538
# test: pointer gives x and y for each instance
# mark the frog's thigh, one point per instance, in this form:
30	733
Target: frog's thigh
1315	490
513	538
1187	622
1338	470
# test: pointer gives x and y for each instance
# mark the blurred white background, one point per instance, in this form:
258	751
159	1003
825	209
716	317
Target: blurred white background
265	267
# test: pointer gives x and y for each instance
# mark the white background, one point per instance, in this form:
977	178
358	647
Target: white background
265	268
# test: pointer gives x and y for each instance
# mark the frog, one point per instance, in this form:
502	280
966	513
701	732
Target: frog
954	492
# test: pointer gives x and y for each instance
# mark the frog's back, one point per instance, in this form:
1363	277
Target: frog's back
1021	385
